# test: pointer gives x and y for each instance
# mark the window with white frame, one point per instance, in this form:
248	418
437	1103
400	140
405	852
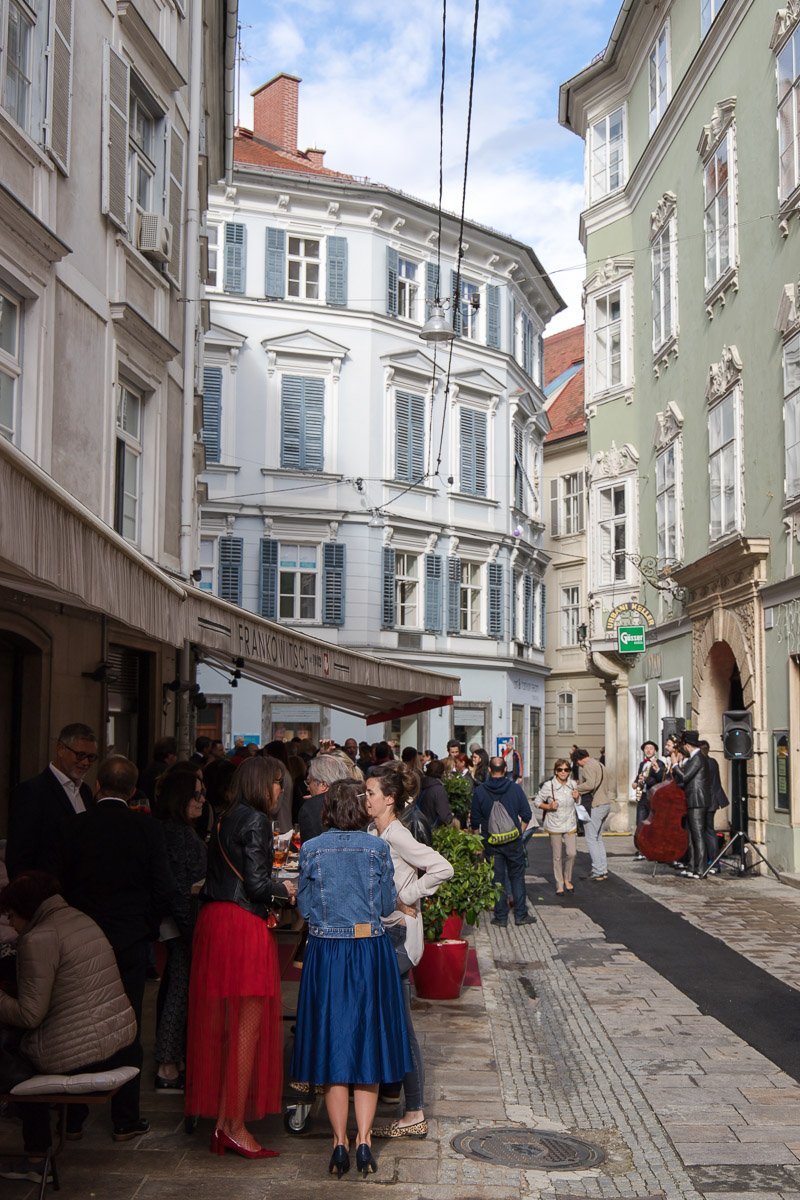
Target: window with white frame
789	115
206	562
567	504
791	414
608	154
566	712
303	267
668	514
469	309
470	612
607	341
407	590
130	415
719	211
143	146
213	251
298	576
570	615
10	361
662	256
613	533
708	11
407	289
659	81
724	457
16	59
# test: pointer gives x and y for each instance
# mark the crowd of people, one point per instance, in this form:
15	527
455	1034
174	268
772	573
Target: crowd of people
183	853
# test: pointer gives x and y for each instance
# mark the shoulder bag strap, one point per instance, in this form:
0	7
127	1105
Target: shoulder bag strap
224	855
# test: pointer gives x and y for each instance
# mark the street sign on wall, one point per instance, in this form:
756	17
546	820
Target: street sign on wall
630	639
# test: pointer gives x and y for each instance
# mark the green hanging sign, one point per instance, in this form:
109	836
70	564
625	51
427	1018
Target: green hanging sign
630	639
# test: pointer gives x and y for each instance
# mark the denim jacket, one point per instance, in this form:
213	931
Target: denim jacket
346	879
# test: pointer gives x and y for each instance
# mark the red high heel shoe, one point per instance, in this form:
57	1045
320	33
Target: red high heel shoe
224	1142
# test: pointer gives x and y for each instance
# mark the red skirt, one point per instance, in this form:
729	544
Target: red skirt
234	1054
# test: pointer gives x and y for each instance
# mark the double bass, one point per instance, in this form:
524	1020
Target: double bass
662	836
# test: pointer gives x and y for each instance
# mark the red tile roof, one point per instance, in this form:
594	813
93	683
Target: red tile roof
255	152
563	355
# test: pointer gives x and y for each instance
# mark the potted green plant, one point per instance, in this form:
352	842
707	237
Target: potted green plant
459	794
439	975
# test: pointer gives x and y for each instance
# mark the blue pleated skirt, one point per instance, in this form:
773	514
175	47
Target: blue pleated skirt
351	1023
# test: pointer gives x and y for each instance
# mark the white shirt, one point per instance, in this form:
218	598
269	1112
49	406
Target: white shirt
71	788
409	855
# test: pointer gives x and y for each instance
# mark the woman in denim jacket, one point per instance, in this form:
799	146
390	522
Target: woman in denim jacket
351	1025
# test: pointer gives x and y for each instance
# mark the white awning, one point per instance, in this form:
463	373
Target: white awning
51	545
291	662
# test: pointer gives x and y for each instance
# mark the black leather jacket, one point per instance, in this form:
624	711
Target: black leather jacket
246	838
695	779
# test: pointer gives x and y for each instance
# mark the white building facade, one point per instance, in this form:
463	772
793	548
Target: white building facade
383	495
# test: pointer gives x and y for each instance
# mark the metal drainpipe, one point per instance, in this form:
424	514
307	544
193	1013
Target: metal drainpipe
229	83
192	282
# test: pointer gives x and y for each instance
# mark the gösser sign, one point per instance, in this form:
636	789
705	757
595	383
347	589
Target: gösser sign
631	639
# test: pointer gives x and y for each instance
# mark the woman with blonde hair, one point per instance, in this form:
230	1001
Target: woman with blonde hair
555	799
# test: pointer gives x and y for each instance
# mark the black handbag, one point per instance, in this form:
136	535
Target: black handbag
417	824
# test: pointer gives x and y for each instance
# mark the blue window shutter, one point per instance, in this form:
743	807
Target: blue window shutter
212	412
235	257
337	271
541	361
392	271
493	317
466	479
479	425
387	596
453	594
527	608
431	285
302	422
514	594
527	344
409	436
512	347
275	281
519	475
455	301
495	598
333	557
268	579
231	551
433	593
543	611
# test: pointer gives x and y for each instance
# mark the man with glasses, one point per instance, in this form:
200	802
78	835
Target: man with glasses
40	806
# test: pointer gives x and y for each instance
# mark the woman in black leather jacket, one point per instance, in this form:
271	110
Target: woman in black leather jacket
234	1068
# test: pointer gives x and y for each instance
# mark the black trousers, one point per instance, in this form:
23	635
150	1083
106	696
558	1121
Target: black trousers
712	841
696	826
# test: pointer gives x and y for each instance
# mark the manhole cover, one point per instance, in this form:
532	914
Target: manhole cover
529	1149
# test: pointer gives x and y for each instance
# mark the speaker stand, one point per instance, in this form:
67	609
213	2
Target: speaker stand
740	842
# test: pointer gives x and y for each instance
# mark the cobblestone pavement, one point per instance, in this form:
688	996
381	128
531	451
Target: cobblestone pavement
569	1032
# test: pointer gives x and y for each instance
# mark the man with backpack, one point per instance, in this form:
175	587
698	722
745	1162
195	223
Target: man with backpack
501	811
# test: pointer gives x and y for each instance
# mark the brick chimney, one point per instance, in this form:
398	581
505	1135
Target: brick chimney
275	112
315	157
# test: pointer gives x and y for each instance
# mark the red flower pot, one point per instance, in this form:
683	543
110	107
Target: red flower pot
439	974
452	928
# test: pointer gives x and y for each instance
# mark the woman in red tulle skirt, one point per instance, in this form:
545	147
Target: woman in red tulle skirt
234	1066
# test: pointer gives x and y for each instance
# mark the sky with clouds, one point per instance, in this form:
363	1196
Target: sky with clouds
371	72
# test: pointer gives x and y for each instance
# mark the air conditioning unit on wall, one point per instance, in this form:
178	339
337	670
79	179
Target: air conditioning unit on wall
155	236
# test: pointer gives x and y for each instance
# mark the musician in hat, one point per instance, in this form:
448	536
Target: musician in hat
651	770
694	777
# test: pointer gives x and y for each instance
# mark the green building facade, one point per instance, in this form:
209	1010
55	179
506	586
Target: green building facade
691	121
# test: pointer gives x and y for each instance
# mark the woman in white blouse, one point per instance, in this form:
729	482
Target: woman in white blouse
389	790
561	822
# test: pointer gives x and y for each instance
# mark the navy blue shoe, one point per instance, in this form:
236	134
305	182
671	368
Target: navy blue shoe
340	1161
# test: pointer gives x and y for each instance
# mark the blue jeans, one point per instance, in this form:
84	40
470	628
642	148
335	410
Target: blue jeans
510	859
414	1081
594	841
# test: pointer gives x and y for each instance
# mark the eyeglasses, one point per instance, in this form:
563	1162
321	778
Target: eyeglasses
562	770
82	756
